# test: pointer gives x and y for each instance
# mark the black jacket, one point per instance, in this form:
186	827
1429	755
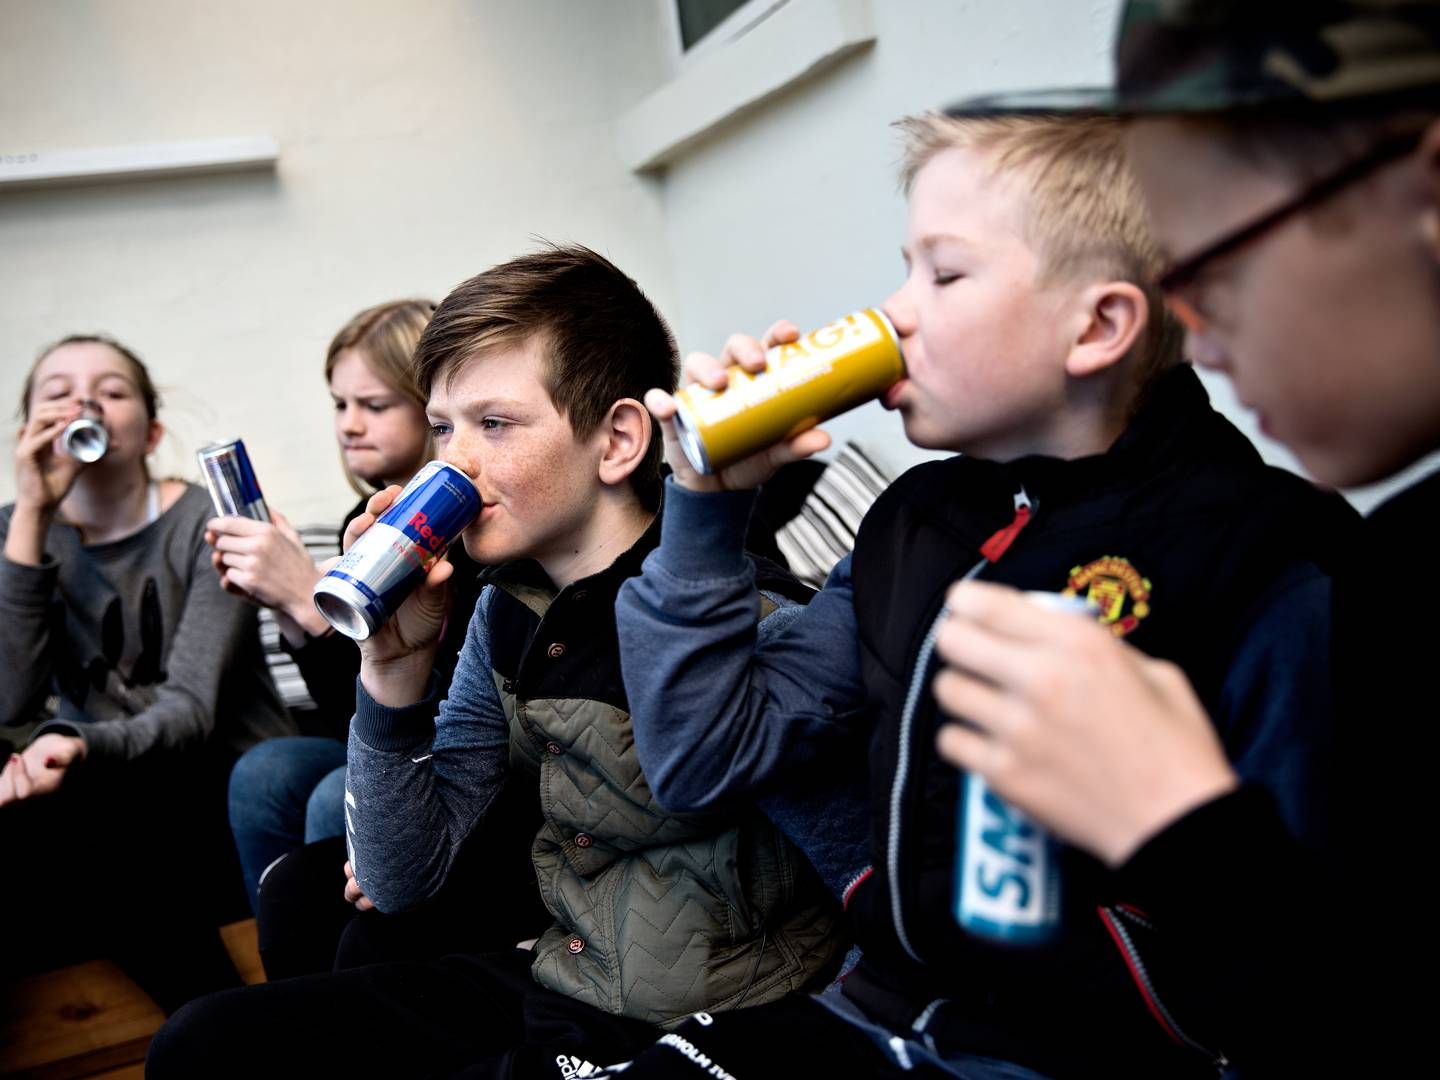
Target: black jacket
1329	958
1196	550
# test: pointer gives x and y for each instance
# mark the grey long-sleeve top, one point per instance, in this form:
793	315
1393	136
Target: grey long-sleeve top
133	644
418	778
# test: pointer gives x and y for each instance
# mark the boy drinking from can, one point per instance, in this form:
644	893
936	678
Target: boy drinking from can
534	372
1090	464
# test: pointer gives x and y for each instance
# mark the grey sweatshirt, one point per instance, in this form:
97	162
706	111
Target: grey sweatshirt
133	644
416	782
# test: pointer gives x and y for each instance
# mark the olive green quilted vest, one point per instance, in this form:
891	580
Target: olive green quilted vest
658	915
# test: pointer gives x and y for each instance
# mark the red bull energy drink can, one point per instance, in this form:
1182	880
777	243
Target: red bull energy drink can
229	476
1007	868
392	556
805	382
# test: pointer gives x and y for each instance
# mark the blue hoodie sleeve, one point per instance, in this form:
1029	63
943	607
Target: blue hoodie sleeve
720	715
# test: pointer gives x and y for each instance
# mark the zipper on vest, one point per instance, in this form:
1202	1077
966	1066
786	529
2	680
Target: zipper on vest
1114	920
992	549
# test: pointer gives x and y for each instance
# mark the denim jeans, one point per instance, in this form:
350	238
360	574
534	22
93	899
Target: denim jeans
285	792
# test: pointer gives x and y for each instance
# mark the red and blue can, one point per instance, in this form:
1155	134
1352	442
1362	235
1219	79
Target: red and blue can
392	557
230	477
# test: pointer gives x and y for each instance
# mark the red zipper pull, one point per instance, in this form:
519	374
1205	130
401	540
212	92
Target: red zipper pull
998	544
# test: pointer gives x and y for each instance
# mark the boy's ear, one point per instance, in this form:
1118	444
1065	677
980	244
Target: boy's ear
626	431
1113	317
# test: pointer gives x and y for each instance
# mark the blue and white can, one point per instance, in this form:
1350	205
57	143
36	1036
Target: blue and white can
391	557
1007	868
231	480
1008	872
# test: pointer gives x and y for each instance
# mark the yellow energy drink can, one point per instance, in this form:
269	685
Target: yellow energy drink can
825	372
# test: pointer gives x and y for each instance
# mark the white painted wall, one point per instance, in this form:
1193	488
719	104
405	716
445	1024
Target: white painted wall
419	143
792	210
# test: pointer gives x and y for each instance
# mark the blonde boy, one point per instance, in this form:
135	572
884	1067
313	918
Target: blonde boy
1089	462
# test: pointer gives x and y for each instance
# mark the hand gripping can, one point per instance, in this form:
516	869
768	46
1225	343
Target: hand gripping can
231	479
804	383
393	555
85	438
1007	868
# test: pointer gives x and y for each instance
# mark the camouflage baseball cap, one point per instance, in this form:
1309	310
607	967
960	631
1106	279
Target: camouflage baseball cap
1195	56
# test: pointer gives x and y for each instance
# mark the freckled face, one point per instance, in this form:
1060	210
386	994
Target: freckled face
539	483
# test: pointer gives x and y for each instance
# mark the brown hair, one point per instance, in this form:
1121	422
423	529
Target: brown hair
1086	215
386	336
148	394
601	337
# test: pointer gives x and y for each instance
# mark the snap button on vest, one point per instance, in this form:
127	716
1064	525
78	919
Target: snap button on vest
583	840
576	946
508	686
555	651
554	748
583	594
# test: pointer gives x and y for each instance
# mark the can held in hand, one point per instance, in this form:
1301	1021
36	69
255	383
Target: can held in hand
808	381
1007	868
392	556
230	478
85	438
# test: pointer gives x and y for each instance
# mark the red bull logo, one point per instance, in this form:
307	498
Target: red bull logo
418	524
366	586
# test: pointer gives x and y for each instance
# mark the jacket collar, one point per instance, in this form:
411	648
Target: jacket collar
1174	424
527	581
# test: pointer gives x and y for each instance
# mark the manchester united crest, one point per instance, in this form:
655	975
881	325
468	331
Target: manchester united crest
1117	591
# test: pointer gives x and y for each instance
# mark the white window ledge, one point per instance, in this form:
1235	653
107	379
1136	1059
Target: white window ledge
800	40
40	168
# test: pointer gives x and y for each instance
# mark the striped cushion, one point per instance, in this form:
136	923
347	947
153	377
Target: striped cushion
824	530
322	542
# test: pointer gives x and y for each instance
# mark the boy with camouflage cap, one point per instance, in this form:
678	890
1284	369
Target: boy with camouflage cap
1290	156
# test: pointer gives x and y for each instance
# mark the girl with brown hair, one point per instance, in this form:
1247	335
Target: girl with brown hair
132	683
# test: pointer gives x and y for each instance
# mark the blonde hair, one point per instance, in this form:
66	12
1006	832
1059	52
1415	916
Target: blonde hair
386	335
1085	213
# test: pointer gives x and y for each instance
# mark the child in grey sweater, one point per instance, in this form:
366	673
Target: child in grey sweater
135	678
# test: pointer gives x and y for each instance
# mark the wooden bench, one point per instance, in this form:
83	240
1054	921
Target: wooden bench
91	1020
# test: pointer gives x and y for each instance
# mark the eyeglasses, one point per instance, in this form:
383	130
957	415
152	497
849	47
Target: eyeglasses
1179	278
